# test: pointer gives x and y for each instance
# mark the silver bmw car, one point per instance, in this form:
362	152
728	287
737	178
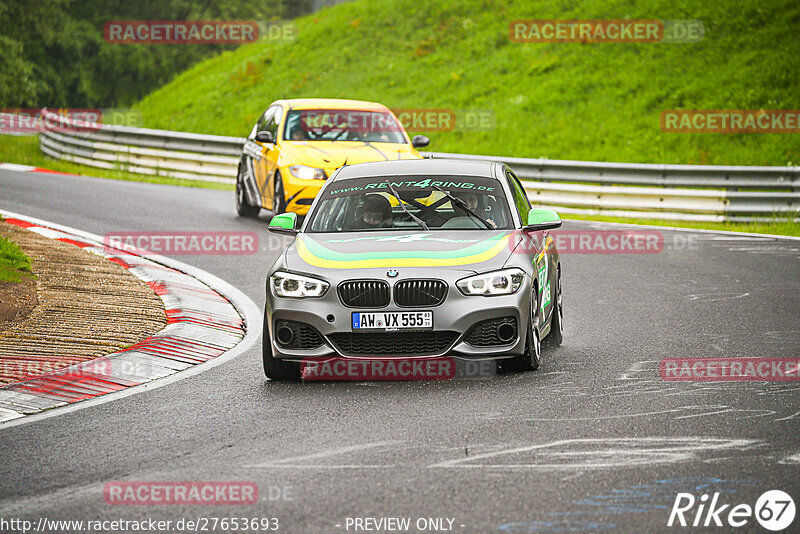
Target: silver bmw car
416	259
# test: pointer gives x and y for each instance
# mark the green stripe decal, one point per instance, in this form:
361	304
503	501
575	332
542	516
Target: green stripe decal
315	254
328	254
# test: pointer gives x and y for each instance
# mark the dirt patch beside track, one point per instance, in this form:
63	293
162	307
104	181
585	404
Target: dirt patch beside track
17	300
87	307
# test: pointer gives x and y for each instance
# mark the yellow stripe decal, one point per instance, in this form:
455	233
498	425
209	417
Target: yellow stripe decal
312	259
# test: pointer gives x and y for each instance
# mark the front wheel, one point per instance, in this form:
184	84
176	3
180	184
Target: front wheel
279	197
556	335
531	359
243	208
274	368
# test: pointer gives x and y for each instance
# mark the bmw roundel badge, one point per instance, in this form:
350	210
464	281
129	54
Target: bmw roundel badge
391	273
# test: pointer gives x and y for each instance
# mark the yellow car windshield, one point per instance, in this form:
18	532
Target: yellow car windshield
342	125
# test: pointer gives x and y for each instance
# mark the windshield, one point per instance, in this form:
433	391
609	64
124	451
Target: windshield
367	204
342	125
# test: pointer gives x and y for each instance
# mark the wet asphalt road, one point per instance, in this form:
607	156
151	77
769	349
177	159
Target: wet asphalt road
593	441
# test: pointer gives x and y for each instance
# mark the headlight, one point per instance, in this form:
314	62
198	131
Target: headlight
296	286
503	282
305	172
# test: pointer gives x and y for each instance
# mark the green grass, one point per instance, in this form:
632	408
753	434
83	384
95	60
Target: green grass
595	102
25	151
778	227
14	264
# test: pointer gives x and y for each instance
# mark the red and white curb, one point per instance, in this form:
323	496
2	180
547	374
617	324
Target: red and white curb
206	319
27	168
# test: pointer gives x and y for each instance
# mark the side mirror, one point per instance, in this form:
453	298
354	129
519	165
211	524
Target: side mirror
541	219
285	223
265	136
420	141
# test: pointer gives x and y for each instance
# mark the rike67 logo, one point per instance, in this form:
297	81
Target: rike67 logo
774	510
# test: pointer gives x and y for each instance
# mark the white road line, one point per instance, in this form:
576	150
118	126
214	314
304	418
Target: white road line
731	238
603	417
715	297
782	390
787	418
8	415
638	451
315	466
16	167
639	367
726	410
639	383
794	459
300	461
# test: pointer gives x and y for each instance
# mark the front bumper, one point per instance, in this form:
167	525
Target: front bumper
457	313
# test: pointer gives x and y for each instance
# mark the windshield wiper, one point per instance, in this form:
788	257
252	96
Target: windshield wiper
405	209
463	205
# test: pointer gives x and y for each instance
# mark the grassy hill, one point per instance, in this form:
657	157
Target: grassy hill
563	101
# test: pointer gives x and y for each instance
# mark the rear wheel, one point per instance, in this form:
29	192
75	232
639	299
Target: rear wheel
274	368
279	198
531	359
243	208
556	335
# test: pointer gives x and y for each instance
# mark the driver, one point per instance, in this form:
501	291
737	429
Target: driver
472	201
375	213
298	134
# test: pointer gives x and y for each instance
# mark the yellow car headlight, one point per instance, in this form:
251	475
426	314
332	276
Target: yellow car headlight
304	172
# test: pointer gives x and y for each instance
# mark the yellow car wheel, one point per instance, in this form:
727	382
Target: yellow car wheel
243	208
279	198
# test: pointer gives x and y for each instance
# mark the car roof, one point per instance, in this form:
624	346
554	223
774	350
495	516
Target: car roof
330	103
430	167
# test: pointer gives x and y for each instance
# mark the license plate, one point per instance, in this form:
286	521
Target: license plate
406	320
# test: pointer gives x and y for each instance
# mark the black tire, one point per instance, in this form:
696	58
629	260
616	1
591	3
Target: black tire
531	359
556	335
279	198
243	208
276	369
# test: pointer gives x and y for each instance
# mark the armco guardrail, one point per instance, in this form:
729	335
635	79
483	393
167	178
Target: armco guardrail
648	174
209	158
682	192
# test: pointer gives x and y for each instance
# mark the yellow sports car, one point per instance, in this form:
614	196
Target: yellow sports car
297	144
